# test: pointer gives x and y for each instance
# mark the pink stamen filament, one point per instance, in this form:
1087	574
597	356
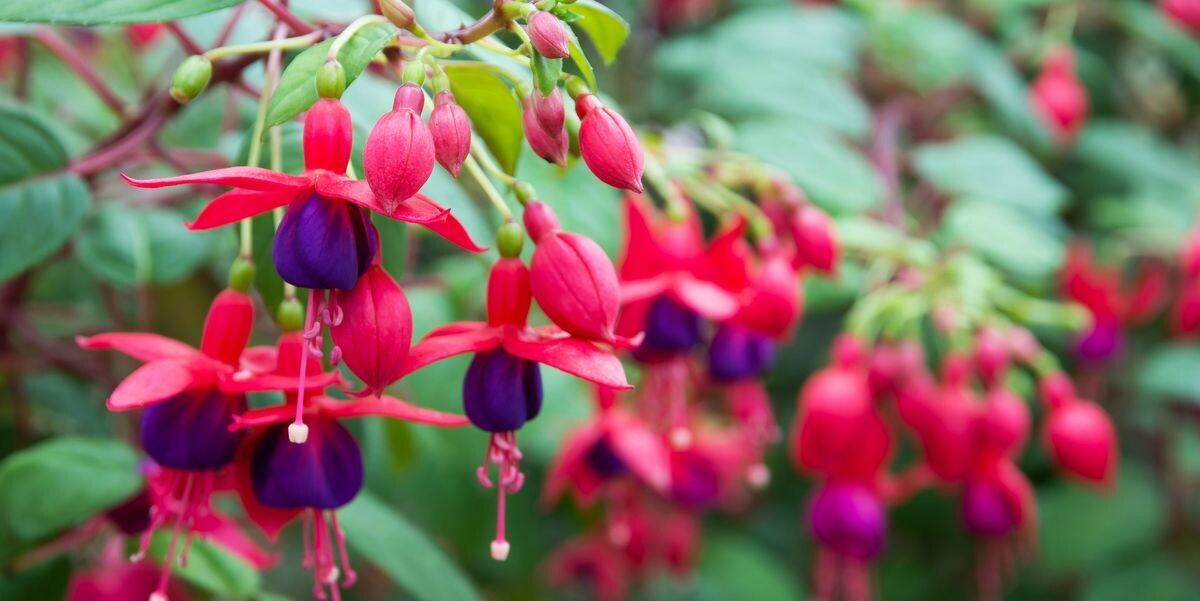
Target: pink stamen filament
298	432
504	454
349	576
182	523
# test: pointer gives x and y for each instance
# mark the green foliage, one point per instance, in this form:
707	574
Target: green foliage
97	12
211	568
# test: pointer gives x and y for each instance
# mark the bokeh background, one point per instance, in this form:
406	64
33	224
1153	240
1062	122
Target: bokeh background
796	85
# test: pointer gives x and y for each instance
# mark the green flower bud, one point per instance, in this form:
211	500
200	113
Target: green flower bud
510	239
331	80
290	315
191	78
241	275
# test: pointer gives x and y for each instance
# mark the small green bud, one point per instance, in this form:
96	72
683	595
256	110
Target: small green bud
191	78
414	72
331	80
510	239
525	192
441	83
241	275
577	87
290	315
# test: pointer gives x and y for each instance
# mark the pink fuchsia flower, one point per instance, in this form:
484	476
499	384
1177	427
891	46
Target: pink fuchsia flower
1081	440
593	562
398	158
278	480
549	35
834	410
947	434
1057	95
115	578
815	240
375	332
612	446
1113	302
571	278
545	132
502	388
608	145
451	131
849	519
325	240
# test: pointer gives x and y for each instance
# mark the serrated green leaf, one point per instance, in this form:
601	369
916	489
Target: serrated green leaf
125	246
297	90
36	217
57	484
494	111
1020	242
96	12
404	553
546	72
606	28
990	168
211	568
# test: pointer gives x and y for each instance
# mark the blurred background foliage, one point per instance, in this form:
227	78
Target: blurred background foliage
796	86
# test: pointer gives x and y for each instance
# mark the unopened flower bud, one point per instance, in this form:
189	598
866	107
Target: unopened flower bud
400	14
376	330
608	145
550	145
399	154
331	80
451	131
191	78
549	35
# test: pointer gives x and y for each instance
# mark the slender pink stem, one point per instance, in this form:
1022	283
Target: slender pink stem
185	40
281	12
80	65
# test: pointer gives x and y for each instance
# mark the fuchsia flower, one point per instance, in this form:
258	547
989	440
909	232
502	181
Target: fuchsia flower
1057	95
398	158
1185	13
608	145
1078	433
544	130
835	406
815	240
503	389
115	578
572	279
375	332
611	446
1113	303
451	131
594	562
278	480
325	240
549	35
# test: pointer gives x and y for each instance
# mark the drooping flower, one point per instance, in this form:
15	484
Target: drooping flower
849	521
834	408
279	481
548	35
610	447
375	332
815	240
546	134
502	389
325	240
451	131
1057	95
1113	302
593	562
399	154
608	145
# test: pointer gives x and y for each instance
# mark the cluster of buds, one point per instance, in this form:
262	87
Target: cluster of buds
970	428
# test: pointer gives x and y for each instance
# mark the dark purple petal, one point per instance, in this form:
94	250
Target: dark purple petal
1103	342
670	328
604	460
985	509
848	519
325	472
501	392
323	243
132	516
191	430
737	353
694	480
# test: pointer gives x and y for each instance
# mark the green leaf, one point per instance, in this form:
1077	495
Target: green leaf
495	113
60	483
211	568
1151	579
738	569
546	72
606	28
1015	240
1082	527
124	245
581	60
40	206
921	46
47	580
96	12
1170	373
403	552
1149	24
1139	156
832	173
1004	88
990	168
297	89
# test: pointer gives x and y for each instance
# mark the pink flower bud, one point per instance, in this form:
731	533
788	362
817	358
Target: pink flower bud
834	405
375	332
772	303
991	355
549	144
549	110
1003	424
1058	97
451	130
1185	13
549	35
227	327
1056	390
1081	440
572	279
508	295
328	136
1185	314
608	145
398	158
815	238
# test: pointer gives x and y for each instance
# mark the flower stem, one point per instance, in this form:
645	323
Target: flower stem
284	15
80	65
256	136
303	41
490	190
488	164
349	32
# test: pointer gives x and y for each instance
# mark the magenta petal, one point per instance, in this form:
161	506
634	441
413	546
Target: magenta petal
332	185
451	340
151	383
579	358
248	178
282	383
643	452
143	347
393	408
236	205
705	298
446	226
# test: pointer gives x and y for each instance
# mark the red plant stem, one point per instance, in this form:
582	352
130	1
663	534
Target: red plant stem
885	157
185	40
80	65
227	29
488	24
281	12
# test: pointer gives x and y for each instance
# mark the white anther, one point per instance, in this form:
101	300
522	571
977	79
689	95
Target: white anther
298	433
500	550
